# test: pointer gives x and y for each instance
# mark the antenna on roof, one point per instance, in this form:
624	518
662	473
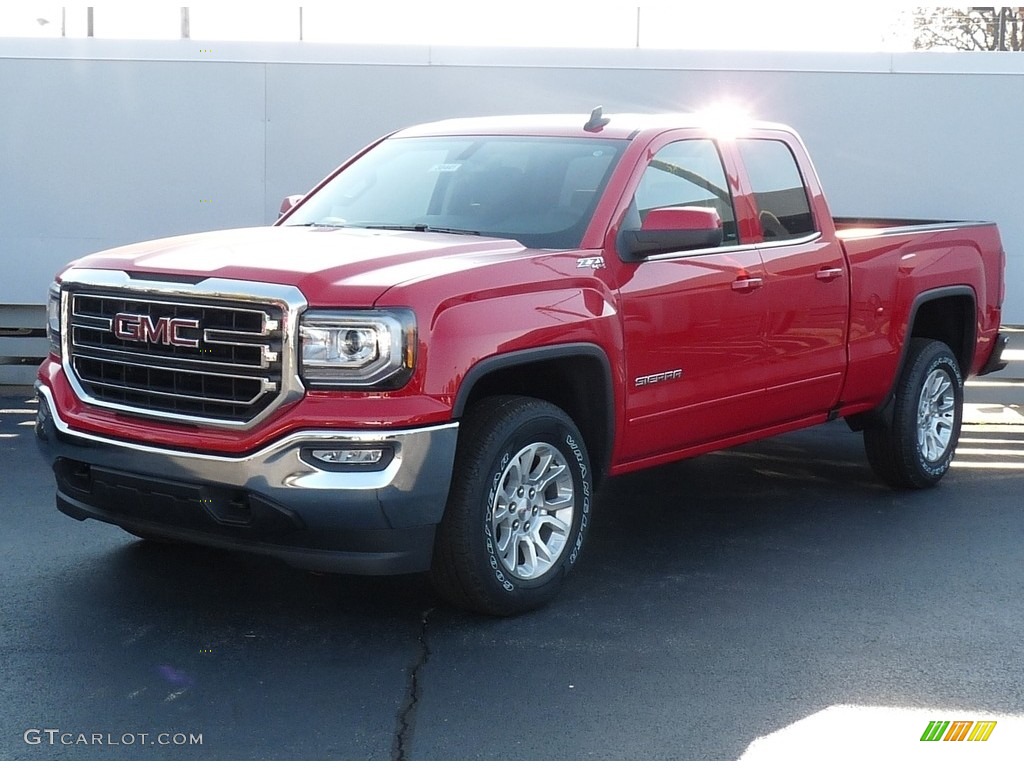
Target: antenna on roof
596	122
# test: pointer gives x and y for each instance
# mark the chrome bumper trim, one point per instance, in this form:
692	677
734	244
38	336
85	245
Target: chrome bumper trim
279	465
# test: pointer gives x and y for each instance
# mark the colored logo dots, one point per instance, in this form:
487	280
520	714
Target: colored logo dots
958	730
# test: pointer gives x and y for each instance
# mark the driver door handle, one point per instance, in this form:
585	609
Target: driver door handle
747	283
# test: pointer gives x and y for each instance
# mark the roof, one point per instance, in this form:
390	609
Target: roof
619	126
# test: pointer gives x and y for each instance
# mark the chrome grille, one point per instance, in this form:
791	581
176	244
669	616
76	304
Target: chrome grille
192	357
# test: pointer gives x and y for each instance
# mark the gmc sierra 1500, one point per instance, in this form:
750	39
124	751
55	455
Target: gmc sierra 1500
431	359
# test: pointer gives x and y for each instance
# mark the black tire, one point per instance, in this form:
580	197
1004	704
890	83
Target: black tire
901	454
482	553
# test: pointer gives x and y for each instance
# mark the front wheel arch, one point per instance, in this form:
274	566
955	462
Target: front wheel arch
575	377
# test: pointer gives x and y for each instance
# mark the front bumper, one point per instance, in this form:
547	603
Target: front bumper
275	501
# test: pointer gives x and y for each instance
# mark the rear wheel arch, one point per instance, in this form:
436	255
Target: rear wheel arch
948	315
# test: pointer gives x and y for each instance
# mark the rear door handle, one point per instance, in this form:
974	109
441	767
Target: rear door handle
747	283
828	273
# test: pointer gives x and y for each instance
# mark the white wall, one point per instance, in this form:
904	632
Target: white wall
105	142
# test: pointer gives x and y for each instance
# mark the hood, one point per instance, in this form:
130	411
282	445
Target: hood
351	266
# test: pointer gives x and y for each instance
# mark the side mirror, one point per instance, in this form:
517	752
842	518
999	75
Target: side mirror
288	203
665	230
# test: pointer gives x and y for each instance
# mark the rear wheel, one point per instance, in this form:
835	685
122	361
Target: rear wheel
916	449
518	509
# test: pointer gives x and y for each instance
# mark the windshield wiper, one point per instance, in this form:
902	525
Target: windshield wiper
420	228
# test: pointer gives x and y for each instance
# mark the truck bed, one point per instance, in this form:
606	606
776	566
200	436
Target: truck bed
895	261
849	227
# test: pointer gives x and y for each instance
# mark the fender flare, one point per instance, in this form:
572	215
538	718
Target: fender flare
883	412
501	361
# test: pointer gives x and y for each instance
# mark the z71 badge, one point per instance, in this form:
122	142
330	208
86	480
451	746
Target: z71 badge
590	262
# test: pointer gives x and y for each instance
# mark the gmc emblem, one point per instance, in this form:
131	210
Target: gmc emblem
166	330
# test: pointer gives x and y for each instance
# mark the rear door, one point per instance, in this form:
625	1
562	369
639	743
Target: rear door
694	321
807	281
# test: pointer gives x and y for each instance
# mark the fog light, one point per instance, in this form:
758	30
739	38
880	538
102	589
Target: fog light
349	455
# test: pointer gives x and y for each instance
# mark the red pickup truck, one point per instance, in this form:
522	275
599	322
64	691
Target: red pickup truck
431	359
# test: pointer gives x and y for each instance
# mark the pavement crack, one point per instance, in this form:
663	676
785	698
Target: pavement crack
407	713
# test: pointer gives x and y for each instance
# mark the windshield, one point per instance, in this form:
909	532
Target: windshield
540	191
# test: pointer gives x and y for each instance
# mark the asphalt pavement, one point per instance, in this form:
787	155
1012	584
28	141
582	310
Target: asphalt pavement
770	597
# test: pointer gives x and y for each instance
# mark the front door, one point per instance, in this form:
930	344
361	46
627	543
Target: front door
694	321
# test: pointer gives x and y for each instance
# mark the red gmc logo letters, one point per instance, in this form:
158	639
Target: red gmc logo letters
166	330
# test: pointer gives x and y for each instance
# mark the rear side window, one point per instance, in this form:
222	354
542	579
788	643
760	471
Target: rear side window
779	192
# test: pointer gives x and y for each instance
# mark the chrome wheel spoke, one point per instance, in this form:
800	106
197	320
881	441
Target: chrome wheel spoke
500	510
543	552
553	473
558	503
512	478
940	388
529	549
503	536
509	554
551	521
524	464
543	464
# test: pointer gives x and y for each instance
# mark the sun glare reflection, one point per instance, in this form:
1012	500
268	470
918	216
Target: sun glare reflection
857	735
725	119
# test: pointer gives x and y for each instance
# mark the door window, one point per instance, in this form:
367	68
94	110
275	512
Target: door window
688	173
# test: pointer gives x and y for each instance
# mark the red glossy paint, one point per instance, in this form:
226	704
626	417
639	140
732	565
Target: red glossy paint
766	336
683	218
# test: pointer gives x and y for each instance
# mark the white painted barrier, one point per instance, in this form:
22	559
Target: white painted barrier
106	142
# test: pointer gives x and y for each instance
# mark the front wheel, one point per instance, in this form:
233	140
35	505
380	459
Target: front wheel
518	509
915	451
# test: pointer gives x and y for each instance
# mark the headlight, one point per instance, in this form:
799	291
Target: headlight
53	319
373	348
